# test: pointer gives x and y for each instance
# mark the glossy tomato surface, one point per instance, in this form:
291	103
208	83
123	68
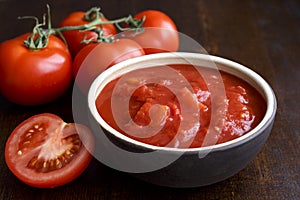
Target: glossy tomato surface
74	37
93	59
45	152
160	33
33	77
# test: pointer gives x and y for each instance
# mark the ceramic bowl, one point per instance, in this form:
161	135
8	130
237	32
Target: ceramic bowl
173	167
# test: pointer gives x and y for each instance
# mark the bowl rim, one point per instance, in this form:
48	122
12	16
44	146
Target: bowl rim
268	94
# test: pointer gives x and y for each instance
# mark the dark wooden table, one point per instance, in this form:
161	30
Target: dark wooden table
263	35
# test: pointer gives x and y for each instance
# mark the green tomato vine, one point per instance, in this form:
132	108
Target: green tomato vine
38	39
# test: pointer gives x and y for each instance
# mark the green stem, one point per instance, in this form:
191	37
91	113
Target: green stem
49	17
92	14
38	39
98	22
134	24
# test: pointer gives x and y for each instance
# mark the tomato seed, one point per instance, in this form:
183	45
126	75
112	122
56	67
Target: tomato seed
32	162
28	135
51	164
20	152
26	142
58	164
77	142
44	166
68	152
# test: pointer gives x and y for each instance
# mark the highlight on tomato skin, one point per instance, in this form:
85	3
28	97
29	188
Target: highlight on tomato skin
45	152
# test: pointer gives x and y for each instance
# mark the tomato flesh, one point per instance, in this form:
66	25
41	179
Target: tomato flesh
45	152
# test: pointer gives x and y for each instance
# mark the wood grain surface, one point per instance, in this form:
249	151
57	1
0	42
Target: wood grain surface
263	35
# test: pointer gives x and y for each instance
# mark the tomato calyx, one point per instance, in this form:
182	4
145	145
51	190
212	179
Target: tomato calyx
39	37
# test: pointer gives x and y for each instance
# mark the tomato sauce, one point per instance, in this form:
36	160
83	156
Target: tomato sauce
154	103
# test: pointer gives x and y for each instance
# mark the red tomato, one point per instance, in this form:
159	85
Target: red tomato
74	37
95	58
160	34
32	77
45	152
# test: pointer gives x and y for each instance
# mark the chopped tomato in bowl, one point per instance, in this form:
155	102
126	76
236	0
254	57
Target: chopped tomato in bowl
137	128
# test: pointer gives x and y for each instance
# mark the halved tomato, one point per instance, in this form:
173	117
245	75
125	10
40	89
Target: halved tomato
45	152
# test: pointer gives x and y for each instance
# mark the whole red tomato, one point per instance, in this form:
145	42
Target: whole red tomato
44	151
160	33
33	77
95	58
74	37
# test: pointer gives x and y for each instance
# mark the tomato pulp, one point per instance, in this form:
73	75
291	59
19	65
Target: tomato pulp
45	152
245	107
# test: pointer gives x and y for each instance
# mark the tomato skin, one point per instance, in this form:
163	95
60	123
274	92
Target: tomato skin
95	58
74	37
30	77
54	129
160	34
